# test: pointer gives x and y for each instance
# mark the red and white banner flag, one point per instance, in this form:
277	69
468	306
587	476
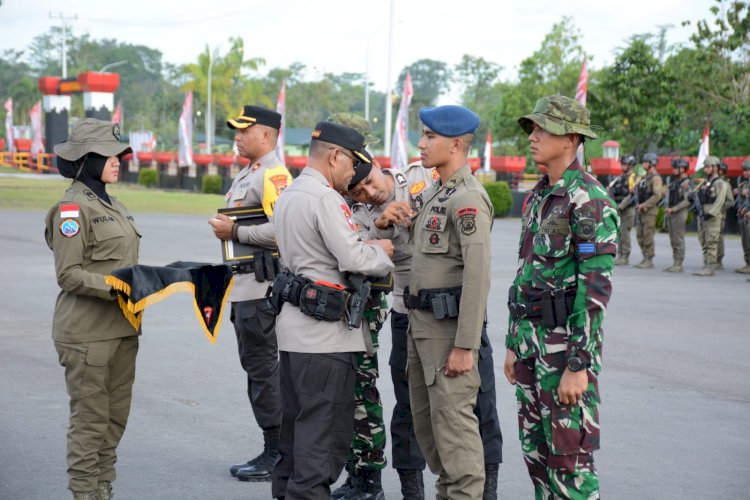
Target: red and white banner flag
703	151
117	115
581	91
487	151
35	117
399	146
185	153
9	142
281	109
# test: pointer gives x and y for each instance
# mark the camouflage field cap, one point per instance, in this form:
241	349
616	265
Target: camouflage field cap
92	136
356	122
559	115
711	161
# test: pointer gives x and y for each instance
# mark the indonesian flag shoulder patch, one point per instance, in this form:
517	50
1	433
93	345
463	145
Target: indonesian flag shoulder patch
69	211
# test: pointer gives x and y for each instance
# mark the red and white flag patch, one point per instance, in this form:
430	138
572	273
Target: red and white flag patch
69	211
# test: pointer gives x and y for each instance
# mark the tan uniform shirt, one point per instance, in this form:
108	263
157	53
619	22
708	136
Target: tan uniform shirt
452	246
90	238
652	184
410	187
258	184
318	240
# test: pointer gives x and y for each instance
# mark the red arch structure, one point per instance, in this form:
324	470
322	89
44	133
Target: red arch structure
98	91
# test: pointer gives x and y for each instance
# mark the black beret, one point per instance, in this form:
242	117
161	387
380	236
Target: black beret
450	121
345	137
255	115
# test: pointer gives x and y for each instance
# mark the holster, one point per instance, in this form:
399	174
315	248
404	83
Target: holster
266	266
323	302
286	287
552	307
443	302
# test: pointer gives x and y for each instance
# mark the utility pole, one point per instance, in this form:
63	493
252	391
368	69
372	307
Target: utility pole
64	39
389	87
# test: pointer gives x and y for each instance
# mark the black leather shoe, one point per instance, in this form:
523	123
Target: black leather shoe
261	469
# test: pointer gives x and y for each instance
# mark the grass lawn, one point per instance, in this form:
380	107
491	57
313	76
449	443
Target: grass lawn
36	193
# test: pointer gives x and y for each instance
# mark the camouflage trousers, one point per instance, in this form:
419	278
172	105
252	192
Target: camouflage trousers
368	443
745	237
720	249
557	440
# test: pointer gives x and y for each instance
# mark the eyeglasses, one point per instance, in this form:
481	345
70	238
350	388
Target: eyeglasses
355	161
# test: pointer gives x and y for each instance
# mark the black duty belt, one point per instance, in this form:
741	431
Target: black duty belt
443	302
551	306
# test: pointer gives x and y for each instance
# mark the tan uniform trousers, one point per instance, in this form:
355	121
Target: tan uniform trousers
709	237
627	219
676	226
745	237
644	232
99	378
446	428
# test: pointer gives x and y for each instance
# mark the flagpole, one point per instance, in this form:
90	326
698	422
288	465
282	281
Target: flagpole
389	86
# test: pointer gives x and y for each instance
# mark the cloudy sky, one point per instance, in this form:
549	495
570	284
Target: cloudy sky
338	35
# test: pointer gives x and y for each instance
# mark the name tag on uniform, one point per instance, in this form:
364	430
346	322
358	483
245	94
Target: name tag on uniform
559	226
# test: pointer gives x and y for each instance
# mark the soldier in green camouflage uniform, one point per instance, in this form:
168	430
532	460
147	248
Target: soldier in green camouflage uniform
743	215
557	306
712	195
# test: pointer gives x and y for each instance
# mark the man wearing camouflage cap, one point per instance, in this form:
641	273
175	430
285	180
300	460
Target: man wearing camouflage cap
621	191
712	194
557	305
648	194
742	193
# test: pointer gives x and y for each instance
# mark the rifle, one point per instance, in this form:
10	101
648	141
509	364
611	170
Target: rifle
697	207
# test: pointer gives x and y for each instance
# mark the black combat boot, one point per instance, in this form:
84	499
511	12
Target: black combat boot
490	482
412	484
348	487
263	465
367	486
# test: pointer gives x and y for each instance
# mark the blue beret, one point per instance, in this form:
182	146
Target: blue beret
450	121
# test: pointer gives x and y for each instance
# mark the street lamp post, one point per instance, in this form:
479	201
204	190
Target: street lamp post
389	87
209	106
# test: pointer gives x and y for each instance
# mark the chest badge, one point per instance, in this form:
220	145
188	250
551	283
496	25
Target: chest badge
434	239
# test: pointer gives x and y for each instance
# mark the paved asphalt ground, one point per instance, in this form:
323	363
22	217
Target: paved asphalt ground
675	381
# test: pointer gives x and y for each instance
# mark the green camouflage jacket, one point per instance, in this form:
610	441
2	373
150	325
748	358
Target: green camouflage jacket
568	240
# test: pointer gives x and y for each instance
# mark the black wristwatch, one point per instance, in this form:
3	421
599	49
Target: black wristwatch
576	364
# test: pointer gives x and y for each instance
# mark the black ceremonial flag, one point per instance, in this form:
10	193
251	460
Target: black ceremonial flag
141	286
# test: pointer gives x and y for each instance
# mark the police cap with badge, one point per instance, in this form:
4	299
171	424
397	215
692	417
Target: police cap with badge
347	138
255	115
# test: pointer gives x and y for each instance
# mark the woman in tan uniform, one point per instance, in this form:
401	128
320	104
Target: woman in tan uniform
92	234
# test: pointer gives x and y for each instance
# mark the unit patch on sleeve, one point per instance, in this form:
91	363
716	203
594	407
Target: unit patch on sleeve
70	227
466	220
348	216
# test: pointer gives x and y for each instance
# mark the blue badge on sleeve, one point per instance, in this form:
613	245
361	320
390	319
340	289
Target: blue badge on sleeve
586	248
69	227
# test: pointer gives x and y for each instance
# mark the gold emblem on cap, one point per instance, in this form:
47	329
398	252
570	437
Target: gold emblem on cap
316	133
